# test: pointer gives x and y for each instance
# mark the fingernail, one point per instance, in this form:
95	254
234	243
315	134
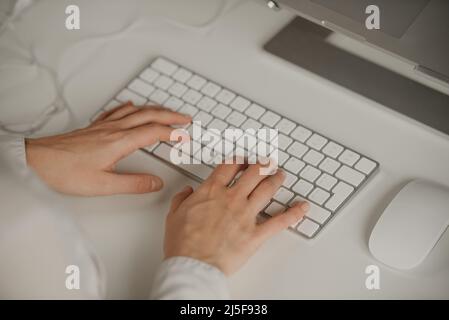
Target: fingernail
157	184
305	206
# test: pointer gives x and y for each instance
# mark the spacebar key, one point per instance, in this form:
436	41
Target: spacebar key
198	170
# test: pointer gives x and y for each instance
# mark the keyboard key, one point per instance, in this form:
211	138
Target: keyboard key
218	124
290	179
266	134
313	157
310	173
151	147
173	103
182	75
225	96
127	95
365	165
282	157
319	196
349	157
232	135
164	66
159	96
251	124
284	141
201	171
196	82
301	134
308	228
255	111
270	118
286	126
294	165
316	141
297	149
240	104
350	175
111	105
274	208
203	117
326	181
341	193
343	188
221	111
141	87
318	213
211	157
206	104
189	109
163	151
329	165
303	187
211	89
178	89
149	75
263	149
163	82
315	212
192	97
236	119
332	149
283	195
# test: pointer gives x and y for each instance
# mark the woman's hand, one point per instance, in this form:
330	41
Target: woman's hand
217	224
82	162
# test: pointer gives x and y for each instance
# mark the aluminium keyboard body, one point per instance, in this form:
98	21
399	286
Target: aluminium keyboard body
318	169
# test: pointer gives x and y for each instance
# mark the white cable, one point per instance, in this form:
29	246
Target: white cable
60	103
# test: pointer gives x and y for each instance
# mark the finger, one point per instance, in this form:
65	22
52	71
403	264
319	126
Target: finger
249	179
106	114
224	174
281	221
263	193
154	115
121	112
130	183
147	135
180	197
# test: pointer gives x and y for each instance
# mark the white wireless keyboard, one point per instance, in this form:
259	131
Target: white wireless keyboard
318	169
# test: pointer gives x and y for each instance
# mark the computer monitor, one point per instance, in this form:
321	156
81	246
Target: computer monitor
415	31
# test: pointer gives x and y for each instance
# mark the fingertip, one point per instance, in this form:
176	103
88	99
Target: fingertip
302	205
281	174
187	189
157	184
305	206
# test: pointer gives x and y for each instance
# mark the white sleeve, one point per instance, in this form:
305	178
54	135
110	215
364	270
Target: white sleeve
12	152
39	239
184	278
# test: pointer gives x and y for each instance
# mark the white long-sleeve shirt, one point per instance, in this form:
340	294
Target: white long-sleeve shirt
38	241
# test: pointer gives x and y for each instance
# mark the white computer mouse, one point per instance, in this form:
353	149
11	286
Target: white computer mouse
411	225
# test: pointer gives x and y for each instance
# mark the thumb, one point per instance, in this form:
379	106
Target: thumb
131	183
180	197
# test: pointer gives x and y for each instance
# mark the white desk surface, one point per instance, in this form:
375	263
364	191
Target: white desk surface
127	231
